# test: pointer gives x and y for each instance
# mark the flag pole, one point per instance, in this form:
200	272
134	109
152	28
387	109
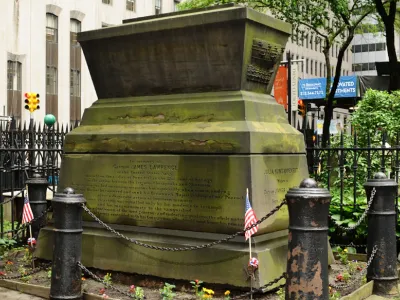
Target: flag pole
30	232
251	277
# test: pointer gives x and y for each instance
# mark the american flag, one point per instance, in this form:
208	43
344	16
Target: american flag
249	218
27	214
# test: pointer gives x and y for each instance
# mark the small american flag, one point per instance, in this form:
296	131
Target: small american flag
27	214
249	218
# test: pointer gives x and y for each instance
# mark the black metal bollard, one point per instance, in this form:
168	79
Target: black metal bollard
67	247
307	264
37	188
382	234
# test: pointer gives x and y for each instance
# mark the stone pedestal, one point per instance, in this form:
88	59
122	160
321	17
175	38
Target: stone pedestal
183	125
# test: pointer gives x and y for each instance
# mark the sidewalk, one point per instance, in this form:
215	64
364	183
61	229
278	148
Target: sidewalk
6	294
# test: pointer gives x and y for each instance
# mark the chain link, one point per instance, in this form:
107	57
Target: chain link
13	197
97	278
120	235
360	275
263	289
364	214
33	271
349	245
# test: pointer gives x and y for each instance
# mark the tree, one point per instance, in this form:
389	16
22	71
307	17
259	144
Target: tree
387	11
332	21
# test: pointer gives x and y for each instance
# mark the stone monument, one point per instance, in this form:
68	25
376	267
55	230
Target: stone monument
183	125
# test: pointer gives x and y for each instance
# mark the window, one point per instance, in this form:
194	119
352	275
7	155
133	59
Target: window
109	2
51	80
307	65
75	27
380	47
14	76
369	47
316	67
311	67
302	64
347	55
364	48
51	28
75	83
158	7
306	38
311	42
131	5
324	70
320	69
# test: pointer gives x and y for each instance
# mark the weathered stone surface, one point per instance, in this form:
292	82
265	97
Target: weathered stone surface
220	49
196	192
182	128
224	263
223	122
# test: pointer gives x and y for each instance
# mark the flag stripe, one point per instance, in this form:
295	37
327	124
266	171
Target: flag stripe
27	214
249	219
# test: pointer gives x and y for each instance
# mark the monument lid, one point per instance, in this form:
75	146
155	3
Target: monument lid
182	19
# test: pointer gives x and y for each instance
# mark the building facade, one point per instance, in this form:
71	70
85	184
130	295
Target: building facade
369	47
39	51
306	48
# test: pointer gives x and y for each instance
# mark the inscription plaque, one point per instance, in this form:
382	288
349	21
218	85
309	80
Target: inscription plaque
197	193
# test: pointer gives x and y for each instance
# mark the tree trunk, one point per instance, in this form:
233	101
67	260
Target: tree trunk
331	96
394	82
388	19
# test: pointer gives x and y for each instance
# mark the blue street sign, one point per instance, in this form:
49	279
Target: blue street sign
315	88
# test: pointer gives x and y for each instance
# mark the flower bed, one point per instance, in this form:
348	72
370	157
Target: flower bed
18	262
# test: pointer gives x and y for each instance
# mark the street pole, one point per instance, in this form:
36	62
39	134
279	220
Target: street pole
289	85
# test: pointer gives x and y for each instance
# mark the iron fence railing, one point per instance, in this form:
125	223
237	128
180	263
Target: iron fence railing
344	165
24	150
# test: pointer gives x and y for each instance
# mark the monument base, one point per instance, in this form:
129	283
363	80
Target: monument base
225	263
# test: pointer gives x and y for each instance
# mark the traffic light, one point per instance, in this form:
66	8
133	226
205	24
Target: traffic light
301	108
32	102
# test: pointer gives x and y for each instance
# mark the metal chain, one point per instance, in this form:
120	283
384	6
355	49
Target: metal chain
13	197
97	278
371	199
263	288
33	271
120	235
349	245
361	274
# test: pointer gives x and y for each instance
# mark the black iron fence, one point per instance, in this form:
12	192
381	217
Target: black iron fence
25	149
348	160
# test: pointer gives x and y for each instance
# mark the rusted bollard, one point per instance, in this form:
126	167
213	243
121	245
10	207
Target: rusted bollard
307	264
67	247
37	188
382	234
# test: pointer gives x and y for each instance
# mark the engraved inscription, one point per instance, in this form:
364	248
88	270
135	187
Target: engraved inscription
189	193
150	191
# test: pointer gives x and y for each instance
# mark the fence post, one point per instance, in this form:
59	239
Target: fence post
382	234
37	188
65	273
307	264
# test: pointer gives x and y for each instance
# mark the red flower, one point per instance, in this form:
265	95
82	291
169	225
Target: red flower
339	277
359	268
102	291
2	274
197	281
132	289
